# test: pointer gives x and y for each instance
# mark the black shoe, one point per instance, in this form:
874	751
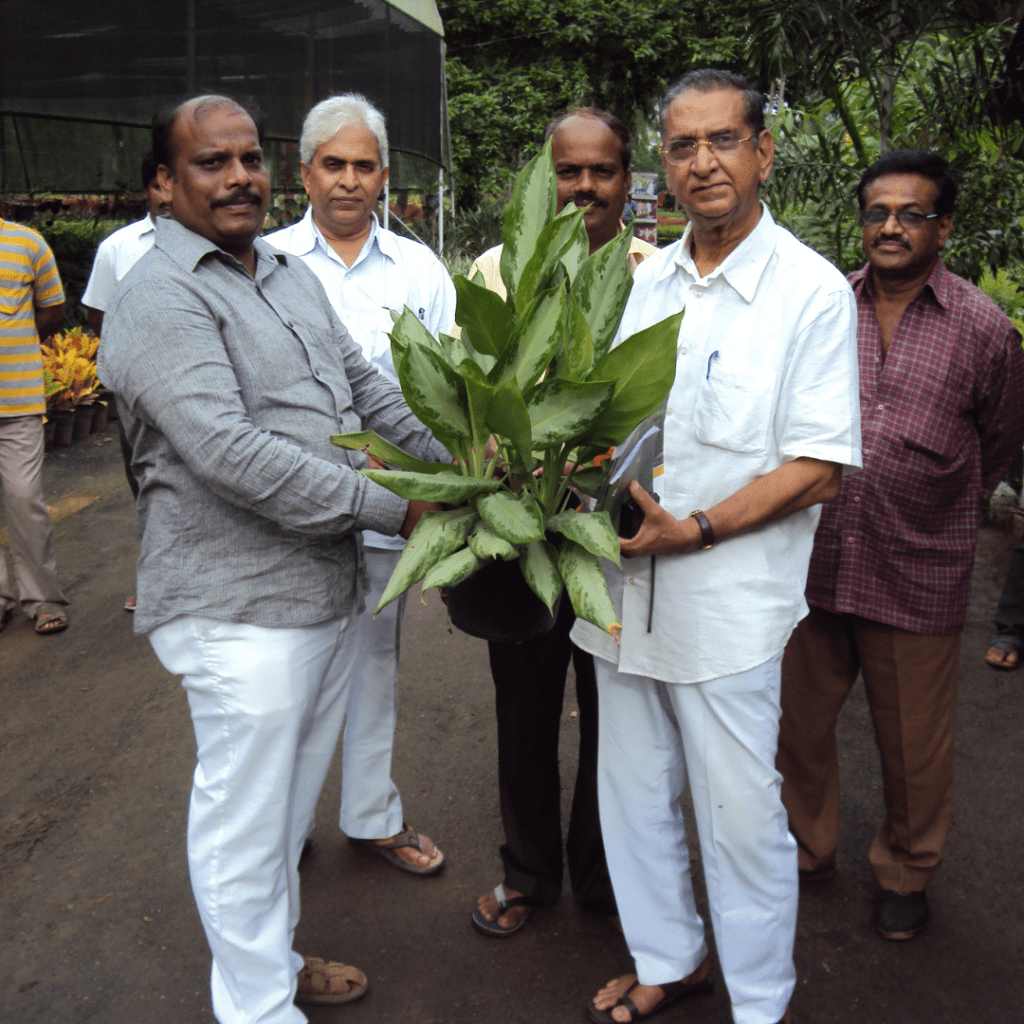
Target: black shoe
822	871
901	915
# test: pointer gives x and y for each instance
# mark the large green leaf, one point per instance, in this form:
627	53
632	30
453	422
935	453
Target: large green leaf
563	235
601	288
508	417
518	520
435	393
436	536
485	543
562	410
453	569
449	488
372	443
539	333
539	564
479	392
643	369
588	480
579	343
485	319
408	330
587	587
591	530
534	198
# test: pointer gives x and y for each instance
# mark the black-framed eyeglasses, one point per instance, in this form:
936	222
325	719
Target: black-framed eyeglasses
909	219
682	151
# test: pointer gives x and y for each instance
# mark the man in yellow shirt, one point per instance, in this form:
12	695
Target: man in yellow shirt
591	153
31	307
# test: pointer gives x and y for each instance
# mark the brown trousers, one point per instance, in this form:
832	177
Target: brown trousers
911	685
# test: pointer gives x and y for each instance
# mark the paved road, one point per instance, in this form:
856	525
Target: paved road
96	754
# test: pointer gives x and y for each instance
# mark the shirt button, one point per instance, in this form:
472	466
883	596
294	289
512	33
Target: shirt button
876	359
856	497
880	407
683	350
849	540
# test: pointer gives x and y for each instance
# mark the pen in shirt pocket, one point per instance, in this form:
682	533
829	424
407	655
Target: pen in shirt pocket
711	359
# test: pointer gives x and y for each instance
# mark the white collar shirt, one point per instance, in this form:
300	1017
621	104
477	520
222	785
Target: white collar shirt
389	274
115	256
766	372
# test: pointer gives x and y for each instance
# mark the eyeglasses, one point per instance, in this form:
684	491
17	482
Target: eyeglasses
682	151
909	219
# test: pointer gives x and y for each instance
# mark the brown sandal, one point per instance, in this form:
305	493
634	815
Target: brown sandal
325	981
50	618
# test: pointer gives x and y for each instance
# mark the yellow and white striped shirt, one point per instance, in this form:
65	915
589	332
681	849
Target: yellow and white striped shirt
28	278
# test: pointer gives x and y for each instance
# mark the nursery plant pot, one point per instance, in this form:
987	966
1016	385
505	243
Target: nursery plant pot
48	428
99	417
111	408
82	422
63	429
497	604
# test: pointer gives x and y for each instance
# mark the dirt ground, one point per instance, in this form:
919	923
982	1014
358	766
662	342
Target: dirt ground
96	756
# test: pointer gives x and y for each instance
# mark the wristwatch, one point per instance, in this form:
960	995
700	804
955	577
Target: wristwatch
707	534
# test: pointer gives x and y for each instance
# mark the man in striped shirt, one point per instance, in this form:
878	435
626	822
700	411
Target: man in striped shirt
31	307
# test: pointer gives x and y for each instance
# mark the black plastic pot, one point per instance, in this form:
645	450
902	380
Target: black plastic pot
496	603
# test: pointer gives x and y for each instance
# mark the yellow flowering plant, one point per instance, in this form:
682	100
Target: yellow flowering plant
69	369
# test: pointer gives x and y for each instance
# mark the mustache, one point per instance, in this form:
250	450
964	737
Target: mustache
586	199
890	238
238	195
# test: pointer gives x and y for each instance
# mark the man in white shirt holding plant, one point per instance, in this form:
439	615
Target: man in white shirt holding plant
760	423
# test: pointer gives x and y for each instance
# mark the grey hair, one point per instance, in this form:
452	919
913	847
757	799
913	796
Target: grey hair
711	80
329	116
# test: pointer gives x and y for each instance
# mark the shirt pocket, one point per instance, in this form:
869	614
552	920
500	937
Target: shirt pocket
733	410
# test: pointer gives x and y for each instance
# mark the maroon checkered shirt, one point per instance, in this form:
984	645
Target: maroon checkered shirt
941	422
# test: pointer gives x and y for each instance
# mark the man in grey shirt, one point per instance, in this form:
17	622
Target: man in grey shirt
232	371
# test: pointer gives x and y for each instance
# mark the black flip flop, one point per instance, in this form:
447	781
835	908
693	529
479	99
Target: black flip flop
675	991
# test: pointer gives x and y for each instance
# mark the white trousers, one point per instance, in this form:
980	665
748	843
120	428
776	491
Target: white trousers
371	807
720	737
267	706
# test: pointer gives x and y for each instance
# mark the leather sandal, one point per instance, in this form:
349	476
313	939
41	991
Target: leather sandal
407	837
481	924
674	992
328	982
50	618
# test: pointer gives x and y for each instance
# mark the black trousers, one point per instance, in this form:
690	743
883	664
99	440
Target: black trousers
1010	612
529	684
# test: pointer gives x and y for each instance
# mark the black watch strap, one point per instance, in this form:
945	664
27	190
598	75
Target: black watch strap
707	534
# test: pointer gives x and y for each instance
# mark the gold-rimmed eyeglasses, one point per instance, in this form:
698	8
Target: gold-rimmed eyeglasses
682	151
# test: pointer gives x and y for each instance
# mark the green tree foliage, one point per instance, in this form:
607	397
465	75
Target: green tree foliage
940	101
513	64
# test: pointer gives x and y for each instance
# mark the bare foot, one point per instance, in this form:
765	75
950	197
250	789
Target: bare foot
488	907
645	997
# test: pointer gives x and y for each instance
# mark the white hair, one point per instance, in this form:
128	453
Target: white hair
329	116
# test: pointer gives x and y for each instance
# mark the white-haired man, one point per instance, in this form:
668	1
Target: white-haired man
368	271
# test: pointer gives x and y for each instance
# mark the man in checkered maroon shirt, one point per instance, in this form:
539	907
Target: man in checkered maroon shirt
942	408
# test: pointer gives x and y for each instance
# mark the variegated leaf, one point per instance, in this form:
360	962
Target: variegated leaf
579	344
561	410
485	543
485	319
539	564
539	333
518	520
587	587
453	569
373	444
436	536
554	244
509	419
435	393
534	198
449	488
591	530
601	288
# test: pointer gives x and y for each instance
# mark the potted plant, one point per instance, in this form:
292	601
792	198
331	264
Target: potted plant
69	368
537	372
